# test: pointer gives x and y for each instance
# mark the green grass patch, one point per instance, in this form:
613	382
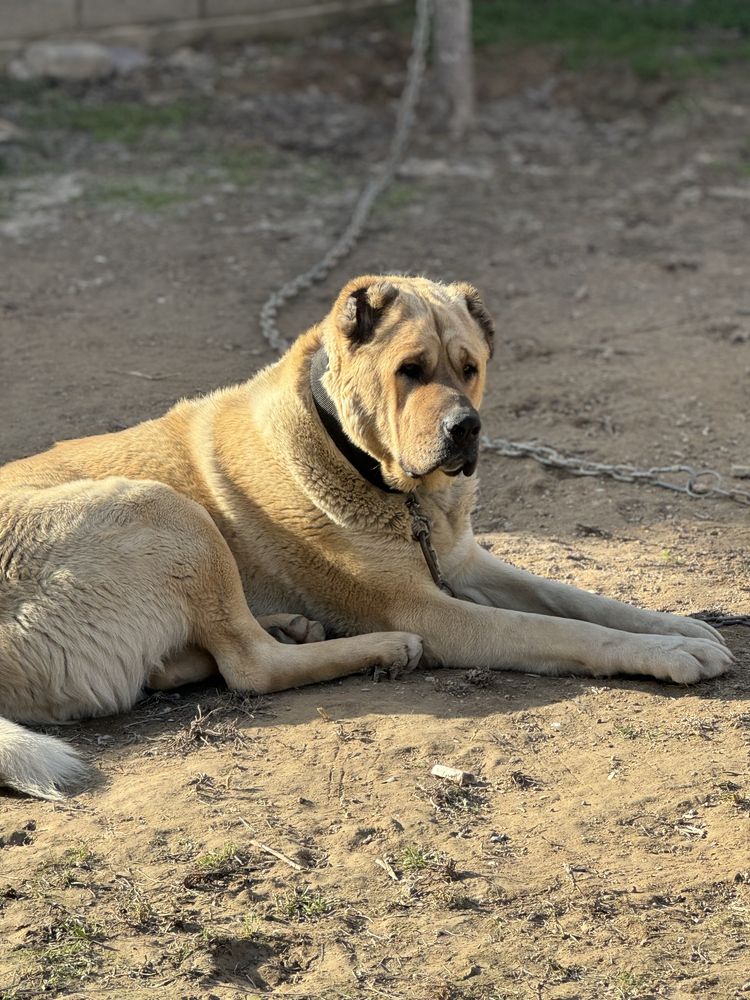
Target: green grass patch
415	862
144	196
217	859
71	955
67	953
399	195
20	90
626	731
627	985
244	166
70	868
303	903
658	38
81	856
655	38
416	859
117	121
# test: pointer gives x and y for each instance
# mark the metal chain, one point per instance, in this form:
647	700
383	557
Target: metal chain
421	532
386	173
700	484
721	620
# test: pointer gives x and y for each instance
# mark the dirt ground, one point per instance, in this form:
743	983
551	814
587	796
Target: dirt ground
605	851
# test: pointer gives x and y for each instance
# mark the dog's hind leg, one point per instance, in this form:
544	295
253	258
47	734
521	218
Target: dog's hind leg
200	575
193	665
190	666
109	579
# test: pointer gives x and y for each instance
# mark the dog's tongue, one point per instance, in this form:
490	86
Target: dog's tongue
470	467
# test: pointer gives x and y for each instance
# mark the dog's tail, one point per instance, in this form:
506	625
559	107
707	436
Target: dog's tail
39	765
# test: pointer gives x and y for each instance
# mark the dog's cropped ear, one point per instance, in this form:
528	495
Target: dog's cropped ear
362	310
478	313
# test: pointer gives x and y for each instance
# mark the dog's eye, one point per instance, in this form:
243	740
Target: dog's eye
470	371
411	370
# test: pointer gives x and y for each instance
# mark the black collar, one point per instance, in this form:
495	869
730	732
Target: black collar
367	466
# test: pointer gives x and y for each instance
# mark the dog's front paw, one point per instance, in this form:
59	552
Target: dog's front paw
401	654
681	659
691	628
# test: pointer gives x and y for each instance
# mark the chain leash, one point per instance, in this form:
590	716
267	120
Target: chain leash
380	182
700	484
421	532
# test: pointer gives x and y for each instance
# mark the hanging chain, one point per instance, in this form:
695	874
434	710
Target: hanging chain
386	173
421	532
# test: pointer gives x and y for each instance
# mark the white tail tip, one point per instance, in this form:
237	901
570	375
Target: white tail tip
39	765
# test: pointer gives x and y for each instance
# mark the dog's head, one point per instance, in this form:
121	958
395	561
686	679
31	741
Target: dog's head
407	364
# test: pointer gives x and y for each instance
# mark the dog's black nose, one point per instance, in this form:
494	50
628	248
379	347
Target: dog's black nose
462	425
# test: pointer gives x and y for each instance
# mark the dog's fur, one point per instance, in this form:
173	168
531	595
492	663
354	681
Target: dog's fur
129	560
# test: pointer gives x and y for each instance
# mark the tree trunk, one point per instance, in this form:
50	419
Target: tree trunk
454	62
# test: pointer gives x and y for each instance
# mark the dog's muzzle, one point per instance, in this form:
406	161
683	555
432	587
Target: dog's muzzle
461	429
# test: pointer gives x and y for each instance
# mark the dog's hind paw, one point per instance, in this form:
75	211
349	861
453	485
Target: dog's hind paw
402	656
295	630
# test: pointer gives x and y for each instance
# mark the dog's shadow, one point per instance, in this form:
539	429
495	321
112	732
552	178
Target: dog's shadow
244	960
195	714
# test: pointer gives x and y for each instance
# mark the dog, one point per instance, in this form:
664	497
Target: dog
330	495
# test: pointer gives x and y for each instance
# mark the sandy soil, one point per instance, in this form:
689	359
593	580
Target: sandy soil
605	851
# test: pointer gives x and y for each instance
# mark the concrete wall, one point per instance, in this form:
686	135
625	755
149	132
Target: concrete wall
161	25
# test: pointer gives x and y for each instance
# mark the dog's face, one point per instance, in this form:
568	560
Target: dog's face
407	362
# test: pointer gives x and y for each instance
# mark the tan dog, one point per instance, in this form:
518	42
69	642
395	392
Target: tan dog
129	560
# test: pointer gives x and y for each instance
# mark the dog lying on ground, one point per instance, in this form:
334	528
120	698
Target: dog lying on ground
329	495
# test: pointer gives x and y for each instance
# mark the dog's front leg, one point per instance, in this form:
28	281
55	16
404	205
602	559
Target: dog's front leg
458	633
482	577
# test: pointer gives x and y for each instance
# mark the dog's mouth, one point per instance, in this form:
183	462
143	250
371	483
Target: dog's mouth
461	460
468	467
453	467
450	460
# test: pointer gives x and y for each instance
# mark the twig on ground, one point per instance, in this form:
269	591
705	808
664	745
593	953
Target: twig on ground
277	854
387	867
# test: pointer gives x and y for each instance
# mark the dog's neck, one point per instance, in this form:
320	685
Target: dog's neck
367	466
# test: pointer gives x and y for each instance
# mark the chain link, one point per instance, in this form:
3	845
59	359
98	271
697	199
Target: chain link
700	484
386	173
722	620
